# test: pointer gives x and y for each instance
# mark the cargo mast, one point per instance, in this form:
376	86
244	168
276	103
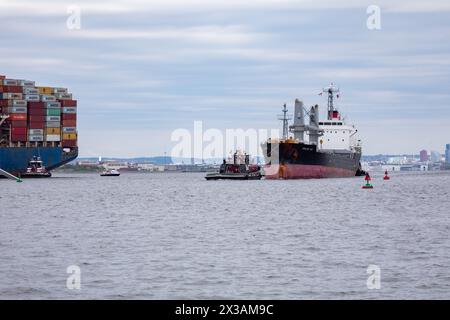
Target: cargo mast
331	91
299	128
285	118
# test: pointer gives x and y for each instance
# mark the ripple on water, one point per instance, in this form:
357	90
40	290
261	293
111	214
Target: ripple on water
156	236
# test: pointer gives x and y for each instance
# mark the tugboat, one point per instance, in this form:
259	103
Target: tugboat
110	173
239	169
36	169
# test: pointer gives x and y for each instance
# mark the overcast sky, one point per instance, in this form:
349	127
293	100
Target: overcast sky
141	69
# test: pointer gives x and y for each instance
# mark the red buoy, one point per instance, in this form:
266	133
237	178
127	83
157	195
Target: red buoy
386	177
367	179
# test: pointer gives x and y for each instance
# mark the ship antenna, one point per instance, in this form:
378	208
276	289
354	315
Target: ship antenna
285	118
331	91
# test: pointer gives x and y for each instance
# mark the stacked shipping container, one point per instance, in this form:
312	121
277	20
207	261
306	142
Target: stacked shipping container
38	114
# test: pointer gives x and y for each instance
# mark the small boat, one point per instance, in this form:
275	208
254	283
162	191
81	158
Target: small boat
36	169
110	173
236	170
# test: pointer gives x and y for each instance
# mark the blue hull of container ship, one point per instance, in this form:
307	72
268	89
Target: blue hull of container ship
15	160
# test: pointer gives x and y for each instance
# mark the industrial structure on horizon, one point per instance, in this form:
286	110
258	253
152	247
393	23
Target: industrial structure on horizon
424	161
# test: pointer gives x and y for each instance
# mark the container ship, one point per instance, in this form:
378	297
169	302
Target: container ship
36	122
320	149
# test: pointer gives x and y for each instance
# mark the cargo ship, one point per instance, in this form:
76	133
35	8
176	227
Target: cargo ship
320	149
36	121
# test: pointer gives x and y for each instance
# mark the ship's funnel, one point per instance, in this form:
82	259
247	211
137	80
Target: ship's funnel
299	122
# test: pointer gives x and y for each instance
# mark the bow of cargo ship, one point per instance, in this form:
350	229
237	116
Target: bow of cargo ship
36	121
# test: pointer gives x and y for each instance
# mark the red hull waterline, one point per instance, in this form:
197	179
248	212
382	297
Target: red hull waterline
301	171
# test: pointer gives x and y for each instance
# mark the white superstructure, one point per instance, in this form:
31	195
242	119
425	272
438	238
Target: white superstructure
337	135
332	134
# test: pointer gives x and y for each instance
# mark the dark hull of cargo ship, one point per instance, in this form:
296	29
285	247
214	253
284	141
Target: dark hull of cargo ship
15	160
304	161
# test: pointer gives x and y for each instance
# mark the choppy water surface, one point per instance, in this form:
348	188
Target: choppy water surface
175	235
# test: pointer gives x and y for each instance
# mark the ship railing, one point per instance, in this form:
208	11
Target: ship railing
34	144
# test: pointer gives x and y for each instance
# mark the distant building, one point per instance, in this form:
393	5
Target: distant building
150	167
435	156
110	165
172	167
87	163
146	166
398	160
424	156
393	167
414	167
447	153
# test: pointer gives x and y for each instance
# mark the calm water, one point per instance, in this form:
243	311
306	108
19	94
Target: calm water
174	236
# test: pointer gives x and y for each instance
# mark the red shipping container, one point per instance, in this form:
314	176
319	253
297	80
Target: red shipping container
18	117
5	89
33	118
69	123
18	131
69	116
4	102
18	124
68	103
17	138
36	125
36	105
69	143
37	112
13	89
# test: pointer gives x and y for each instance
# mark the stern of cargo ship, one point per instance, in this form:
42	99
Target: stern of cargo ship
15	160
36	121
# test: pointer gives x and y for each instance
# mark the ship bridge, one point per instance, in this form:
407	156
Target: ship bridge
337	135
